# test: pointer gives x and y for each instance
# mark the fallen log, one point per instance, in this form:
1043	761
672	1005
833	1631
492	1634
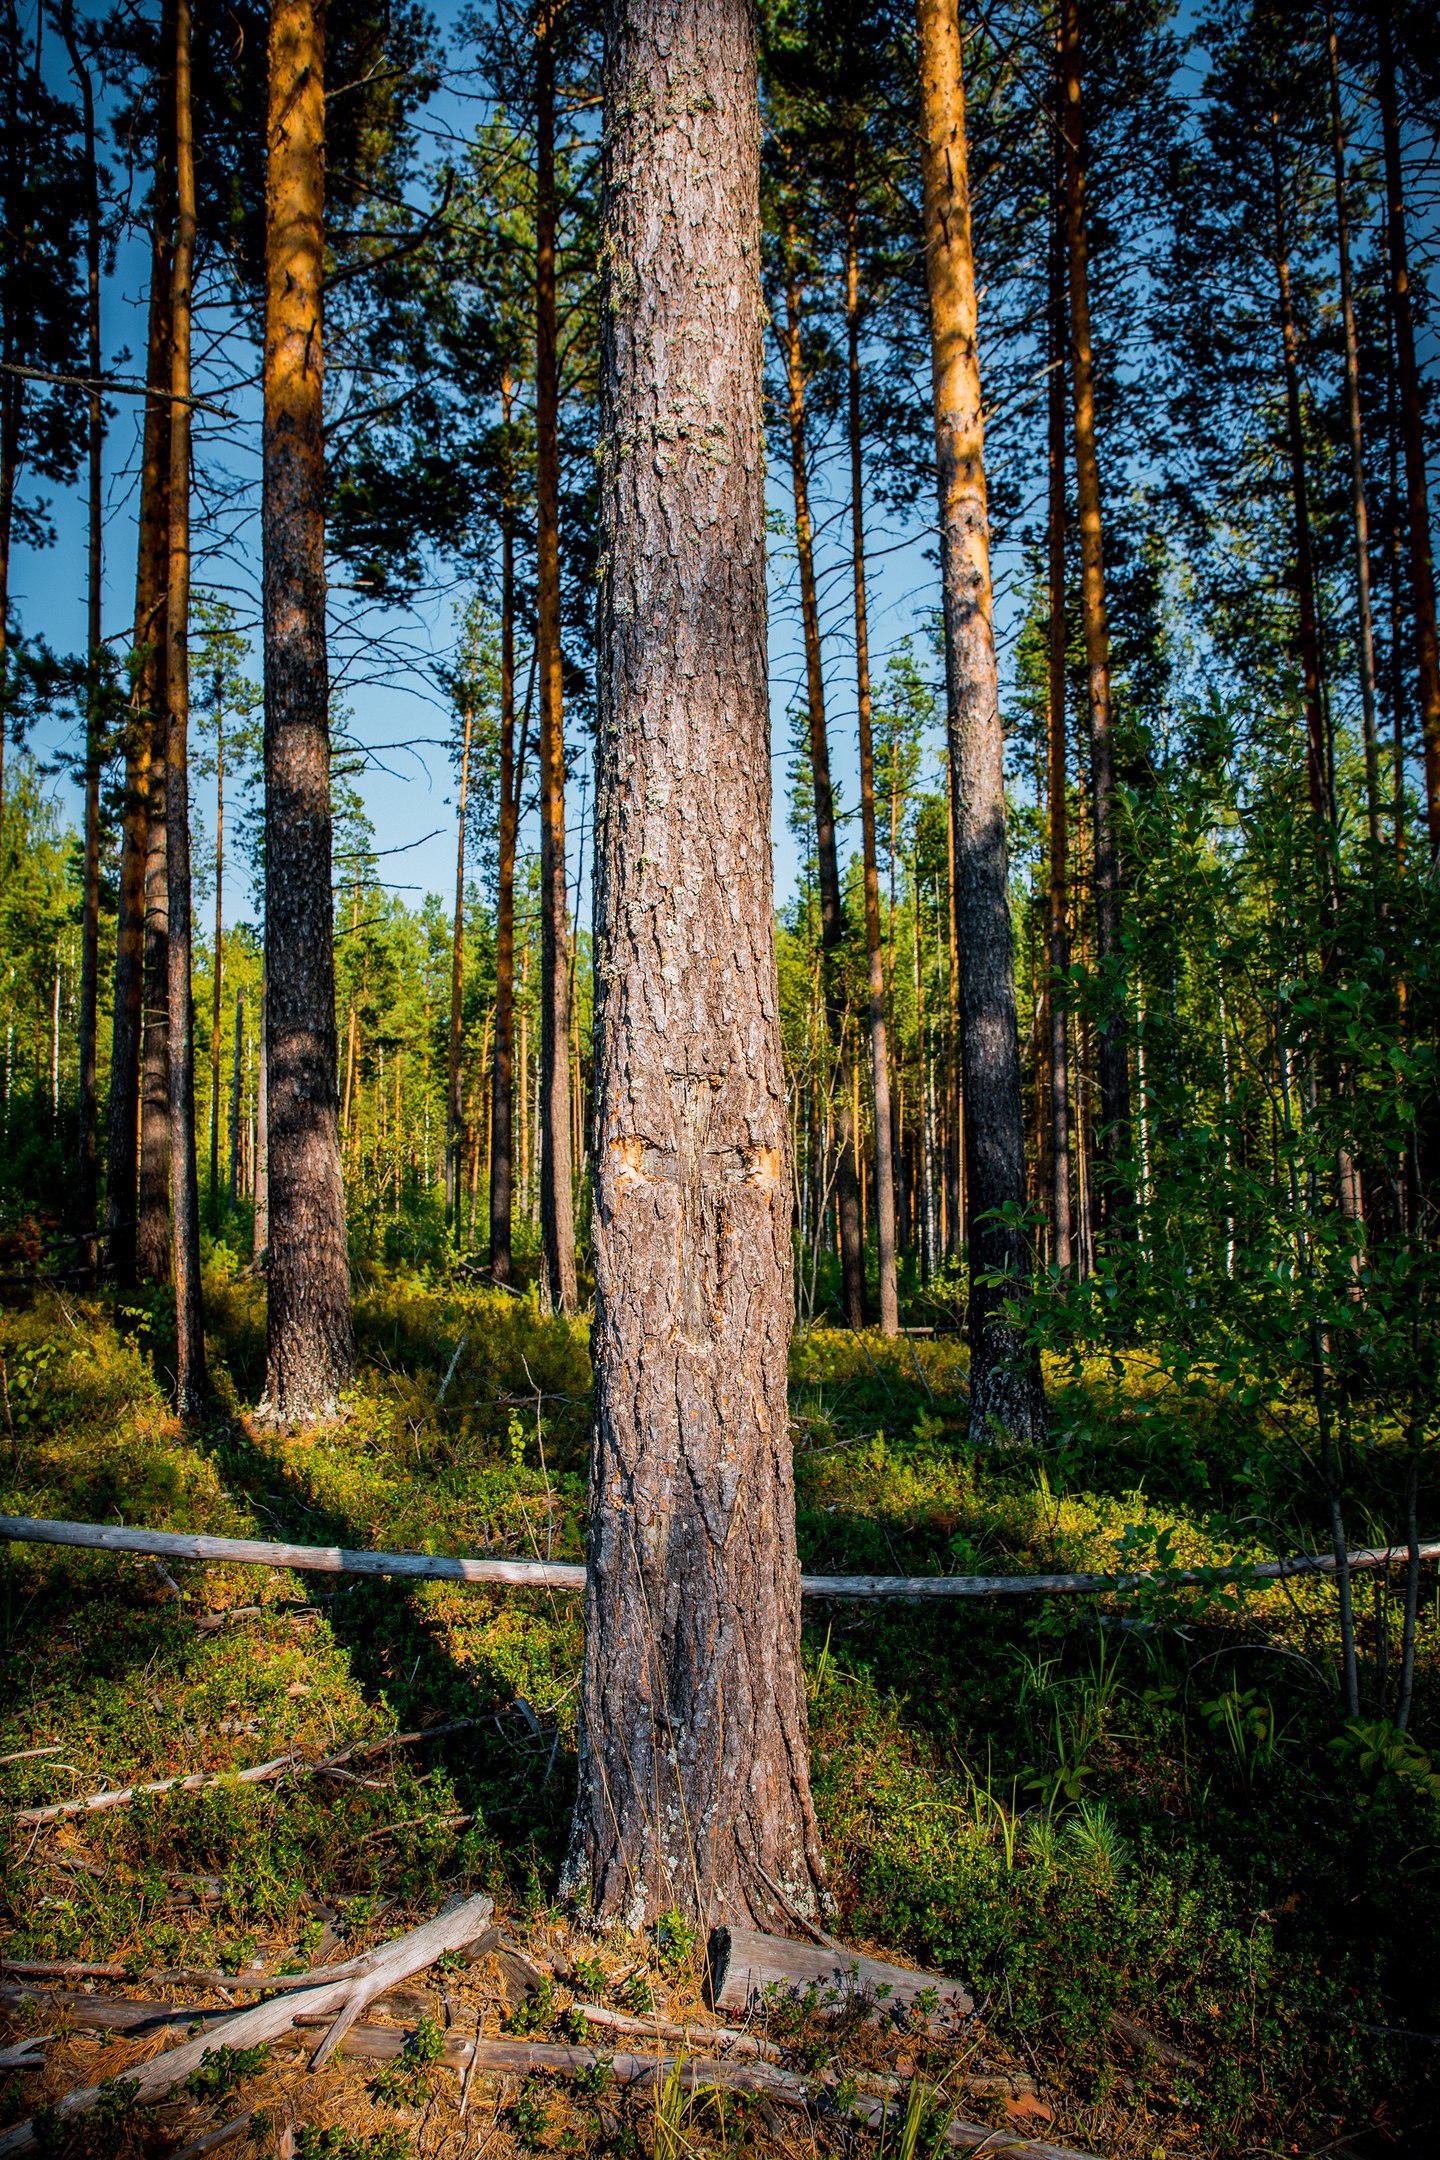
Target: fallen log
338	1999
745	1966
570	1575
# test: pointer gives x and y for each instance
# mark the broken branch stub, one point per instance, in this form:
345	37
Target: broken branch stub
745	1966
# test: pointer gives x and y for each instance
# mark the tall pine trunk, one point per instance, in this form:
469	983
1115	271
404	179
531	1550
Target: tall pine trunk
832	906
218	983
1317	753
874	954
1113	1045
1006	1391
557	1199
1057	934
1360	517
454	1078
88	1092
122	1149
502	1078
234	1181
1412	427
153	1225
184	1184
694	1785
310	1355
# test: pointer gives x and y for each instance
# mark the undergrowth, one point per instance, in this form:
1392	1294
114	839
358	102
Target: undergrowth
1147	1805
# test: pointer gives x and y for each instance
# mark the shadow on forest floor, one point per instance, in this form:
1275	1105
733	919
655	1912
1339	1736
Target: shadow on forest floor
1138	1809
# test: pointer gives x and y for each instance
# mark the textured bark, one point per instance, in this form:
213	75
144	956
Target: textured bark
1317	757
1006	1392
310	1355
1114	1057
87	1108
184	1183
694	1780
1412	427
1057	934
502	1075
122	1151
557	1199
454	1079
832	905
1360	516
874	951
152	1238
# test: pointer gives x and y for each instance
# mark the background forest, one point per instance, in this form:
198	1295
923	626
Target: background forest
1204	241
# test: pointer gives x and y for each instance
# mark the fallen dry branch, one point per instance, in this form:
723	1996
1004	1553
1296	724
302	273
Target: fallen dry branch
745	1965
259	1774
570	1575
338	2000
517	2058
212	2140
696	2036
201	1781
1165	2051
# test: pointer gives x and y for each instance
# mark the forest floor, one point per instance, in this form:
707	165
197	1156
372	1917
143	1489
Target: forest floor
1092	1809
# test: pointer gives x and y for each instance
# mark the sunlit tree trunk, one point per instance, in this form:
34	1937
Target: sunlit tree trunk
1113	1044
874	951
153	1227
557	1202
694	1785
310	1355
137	962
190	1384
454	1081
832	906
1006	1392
1057	935
1412	428
502	1081
217	987
234	1186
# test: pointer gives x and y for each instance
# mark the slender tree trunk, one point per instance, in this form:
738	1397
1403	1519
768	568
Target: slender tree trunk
1365	629
153	1228
190	1385
502	1079
454	1082
954	1145
557	1206
310	1354
1317	760
219	970
261	1241
1417	501
694	1785
874	953
1114	1051
235	1100
1057	935
832	906
1006	1391
88	1094
132	938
